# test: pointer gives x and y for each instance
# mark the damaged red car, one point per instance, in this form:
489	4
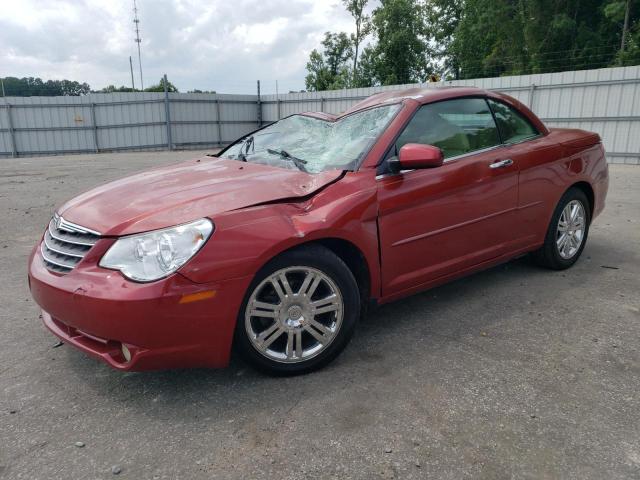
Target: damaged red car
279	244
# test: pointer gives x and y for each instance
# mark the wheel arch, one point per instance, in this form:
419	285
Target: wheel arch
354	258
587	189
349	253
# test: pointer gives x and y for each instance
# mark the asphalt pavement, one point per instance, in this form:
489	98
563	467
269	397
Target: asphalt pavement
515	372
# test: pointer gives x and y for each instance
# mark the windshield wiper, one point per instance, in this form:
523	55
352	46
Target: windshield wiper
247	142
298	162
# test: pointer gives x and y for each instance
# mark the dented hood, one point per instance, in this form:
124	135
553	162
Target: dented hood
176	194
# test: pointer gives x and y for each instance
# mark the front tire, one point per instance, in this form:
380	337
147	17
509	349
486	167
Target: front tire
299	312
567	232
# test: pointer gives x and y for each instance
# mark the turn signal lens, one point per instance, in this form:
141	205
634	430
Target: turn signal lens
126	353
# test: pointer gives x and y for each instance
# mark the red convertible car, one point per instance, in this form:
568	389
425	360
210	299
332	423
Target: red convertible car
280	243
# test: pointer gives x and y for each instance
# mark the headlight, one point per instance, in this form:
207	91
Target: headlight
154	255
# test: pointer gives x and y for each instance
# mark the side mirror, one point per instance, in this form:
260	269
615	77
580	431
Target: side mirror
416	155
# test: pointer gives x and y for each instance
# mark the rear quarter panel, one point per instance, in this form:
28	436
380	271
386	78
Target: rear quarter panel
551	165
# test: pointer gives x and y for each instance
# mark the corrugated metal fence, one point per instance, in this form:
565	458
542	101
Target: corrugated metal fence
606	101
122	121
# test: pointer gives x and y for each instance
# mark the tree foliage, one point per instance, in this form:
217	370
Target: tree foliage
401	49
28	87
363	29
31	87
625	16
159	87
329	69
114	89
443	17
500	37
413	39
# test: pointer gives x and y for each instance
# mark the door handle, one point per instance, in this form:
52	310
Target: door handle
501	163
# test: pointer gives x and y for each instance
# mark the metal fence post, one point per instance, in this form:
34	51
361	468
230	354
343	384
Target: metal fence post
259	107
532	91
219	121
167	113
322	104
95	127
12	134
278	107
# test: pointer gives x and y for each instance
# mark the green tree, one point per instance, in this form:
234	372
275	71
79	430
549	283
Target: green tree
114	89
367	68
30	86
566	35
72	88
159	87
489	39
624	15
443	18
363	29
512	37
481	38
330	68
401	50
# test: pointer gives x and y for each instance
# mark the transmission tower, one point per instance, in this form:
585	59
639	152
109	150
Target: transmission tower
138	40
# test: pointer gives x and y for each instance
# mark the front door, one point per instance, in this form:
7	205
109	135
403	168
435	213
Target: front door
435	222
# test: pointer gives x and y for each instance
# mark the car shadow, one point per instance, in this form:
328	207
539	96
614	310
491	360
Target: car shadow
454	315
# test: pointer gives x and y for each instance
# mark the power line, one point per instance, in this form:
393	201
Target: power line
544	62
565	61
472	74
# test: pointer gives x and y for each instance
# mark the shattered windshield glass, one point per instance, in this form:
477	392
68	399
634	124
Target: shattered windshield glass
313	145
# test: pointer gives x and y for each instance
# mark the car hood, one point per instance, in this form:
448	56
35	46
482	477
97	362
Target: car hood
187	191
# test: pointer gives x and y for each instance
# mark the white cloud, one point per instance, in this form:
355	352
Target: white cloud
259	33
218	45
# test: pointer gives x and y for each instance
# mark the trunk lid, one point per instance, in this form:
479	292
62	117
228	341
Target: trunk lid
574	138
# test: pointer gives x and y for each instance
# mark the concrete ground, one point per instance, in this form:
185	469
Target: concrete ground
516	372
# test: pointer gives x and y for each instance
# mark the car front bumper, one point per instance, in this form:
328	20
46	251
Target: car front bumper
170	323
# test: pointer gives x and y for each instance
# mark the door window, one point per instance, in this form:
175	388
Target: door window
513	126
455	126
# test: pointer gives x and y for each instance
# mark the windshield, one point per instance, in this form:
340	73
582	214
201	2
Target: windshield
314	145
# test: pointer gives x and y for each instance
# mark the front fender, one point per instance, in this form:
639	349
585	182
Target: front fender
247	239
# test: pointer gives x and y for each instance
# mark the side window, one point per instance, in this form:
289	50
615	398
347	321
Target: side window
514	127
455	126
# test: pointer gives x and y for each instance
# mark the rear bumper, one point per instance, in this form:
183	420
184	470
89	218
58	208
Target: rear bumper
162	324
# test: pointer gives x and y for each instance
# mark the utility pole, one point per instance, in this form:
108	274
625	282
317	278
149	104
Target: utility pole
133	83
136	21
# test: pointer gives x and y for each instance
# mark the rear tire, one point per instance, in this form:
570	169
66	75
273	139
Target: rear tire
567	232
299	312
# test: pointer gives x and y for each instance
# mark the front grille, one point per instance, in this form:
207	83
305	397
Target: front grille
65	244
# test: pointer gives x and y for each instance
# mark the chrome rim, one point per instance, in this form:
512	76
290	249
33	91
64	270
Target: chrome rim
294	314
571	228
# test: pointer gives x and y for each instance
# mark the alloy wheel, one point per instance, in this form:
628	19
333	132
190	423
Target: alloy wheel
571	229
294	314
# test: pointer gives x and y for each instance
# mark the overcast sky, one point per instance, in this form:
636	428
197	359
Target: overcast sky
222	45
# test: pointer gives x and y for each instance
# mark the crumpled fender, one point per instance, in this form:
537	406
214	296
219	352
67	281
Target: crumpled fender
247	239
